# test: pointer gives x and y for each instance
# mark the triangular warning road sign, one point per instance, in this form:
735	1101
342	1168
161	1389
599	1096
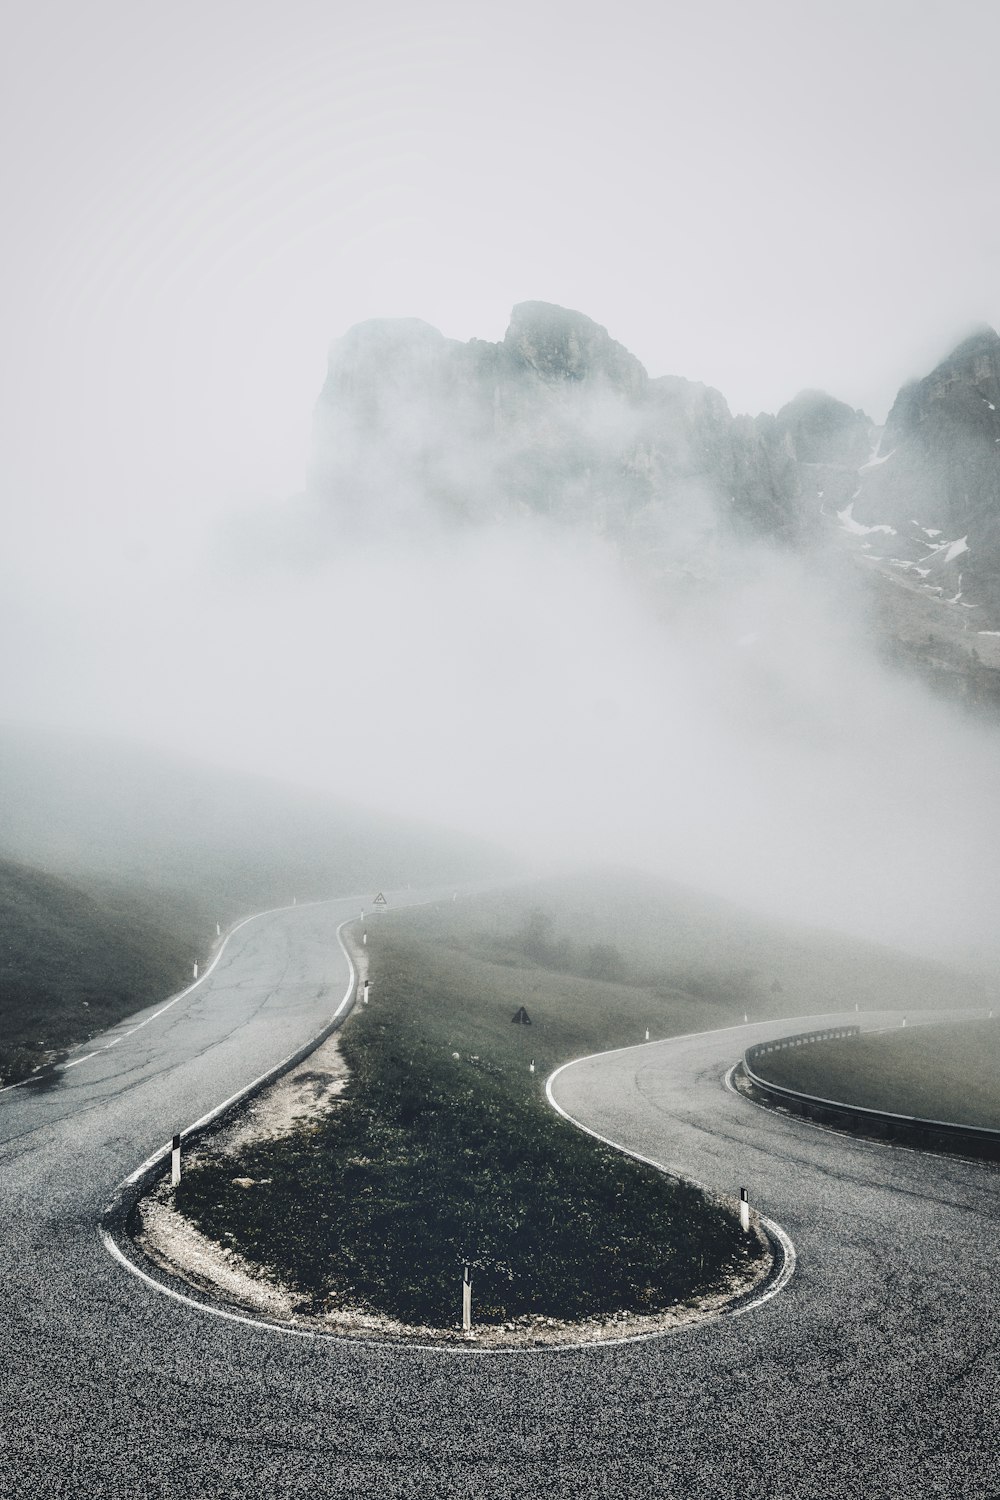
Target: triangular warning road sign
521	1018
380	900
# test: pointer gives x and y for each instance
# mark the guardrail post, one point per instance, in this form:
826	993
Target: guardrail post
175	1161
745	1210
466	1298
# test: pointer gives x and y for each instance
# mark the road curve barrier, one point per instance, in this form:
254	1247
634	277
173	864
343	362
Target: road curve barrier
879	1124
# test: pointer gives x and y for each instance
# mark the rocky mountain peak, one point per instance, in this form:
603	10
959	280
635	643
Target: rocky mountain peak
819	429
963	391
562	345
384	352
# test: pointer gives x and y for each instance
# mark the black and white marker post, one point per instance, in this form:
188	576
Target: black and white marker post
367	986
466	1299
175	1162
745	1210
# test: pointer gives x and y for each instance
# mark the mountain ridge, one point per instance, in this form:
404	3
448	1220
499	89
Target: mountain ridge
560	421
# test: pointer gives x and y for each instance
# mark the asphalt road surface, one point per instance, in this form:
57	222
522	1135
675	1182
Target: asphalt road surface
874	1374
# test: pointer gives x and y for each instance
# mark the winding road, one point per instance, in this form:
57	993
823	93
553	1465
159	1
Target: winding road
873	1374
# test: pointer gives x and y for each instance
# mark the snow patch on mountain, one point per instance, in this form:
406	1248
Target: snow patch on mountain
846	519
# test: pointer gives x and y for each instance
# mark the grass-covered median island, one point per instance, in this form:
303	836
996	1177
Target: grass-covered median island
431	1158
947	1072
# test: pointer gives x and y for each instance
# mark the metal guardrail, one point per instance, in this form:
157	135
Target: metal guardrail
801	1039
880	1121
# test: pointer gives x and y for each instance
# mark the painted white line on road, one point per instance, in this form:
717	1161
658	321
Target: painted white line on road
248	1088
61	1067
396	1346
787	1270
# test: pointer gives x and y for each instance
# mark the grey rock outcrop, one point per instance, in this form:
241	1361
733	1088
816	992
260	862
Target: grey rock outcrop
938	463
557	420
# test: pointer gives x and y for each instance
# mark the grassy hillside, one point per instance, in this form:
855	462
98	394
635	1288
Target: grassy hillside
119	863
443	1149
612	953
444	1146
75	960
83	807
931	1072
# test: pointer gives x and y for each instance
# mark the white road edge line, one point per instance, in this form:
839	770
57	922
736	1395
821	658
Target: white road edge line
219	1109
396	1346
256	916
784	1276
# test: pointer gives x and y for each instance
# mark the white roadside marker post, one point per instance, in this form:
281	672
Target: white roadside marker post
194	969
466	1299
367	984
531	1069
647	1033
745	1210
364	939
745	1017
175	1162
218	930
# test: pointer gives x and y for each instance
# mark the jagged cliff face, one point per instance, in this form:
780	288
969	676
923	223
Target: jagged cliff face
936	477
560	421
557	420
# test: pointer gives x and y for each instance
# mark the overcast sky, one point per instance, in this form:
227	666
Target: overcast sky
199	196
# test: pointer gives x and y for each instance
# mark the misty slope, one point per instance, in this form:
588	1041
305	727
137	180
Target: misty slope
561	421
625	928
220	843
74	960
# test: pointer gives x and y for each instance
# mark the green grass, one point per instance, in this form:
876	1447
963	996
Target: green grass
434	1159
74	961
933	1073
